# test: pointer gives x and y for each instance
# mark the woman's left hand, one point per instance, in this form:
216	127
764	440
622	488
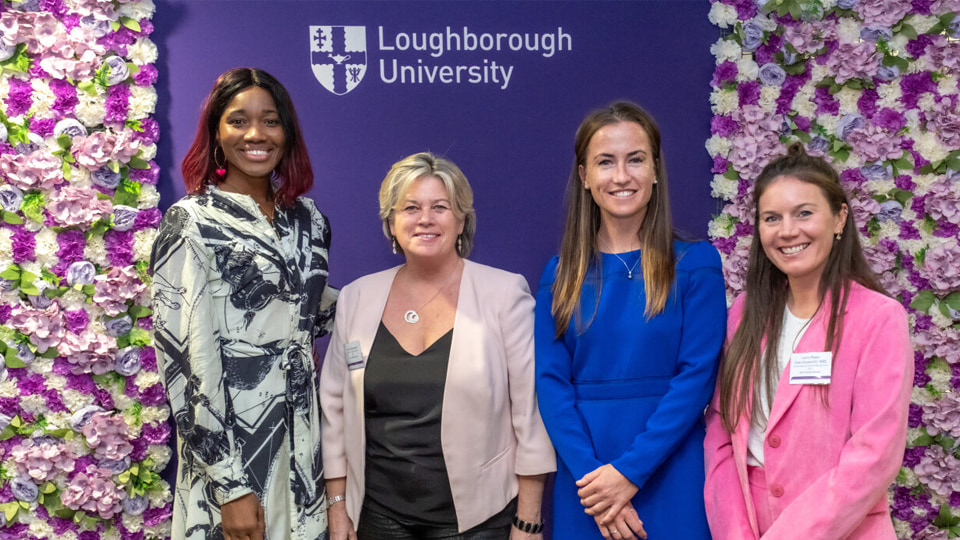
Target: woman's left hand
604	492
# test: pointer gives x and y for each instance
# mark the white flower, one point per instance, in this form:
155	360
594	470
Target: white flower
67	535
143	244
724	101
80	177
726	49
942	321
929	147
132	523
922	23
148	151
143	102
121	401
902	528
58	420
804	105
41	365
9	388
898	47
747	69
143	9
768	98
42	96
879	186
722	15
889	229
828	122
4	87
33	267
91	109
149	197
723	187
160	531
111	534
920	396
96	251
142	52
160	454
96	313
848	100
32	225
715	229
41	529
848	30
940	376
146	378
926	102
818	72
56	382
35	404
75	400
947	85
46	247
766	23
154	414
6	248
73	299
923	182
717	145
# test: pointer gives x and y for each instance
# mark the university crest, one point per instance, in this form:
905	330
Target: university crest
338	55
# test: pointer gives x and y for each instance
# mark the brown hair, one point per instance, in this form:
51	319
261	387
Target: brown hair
579	248
746	366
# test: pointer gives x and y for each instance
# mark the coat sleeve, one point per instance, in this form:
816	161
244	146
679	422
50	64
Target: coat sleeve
534	453
333	379
723	495
189	355
837	502
555	392
704	308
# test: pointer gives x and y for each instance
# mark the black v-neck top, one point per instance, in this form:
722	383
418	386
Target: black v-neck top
406	476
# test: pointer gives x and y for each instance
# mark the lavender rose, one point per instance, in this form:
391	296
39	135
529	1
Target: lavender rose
752	35
135	505
772	74
876	33
118	70
847	4
890	211
818	144
81	417
6	52
3	127
81	272
116	466
119	326
128	361
70	127
24	489
27	148
848	123
4	419
11	197
39	301
24	353
105	177
888	73
97	26
877	171
124	217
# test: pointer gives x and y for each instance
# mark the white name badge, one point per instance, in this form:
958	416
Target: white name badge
810	367
354	355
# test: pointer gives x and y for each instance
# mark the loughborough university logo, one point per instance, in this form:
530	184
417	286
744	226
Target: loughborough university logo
338	55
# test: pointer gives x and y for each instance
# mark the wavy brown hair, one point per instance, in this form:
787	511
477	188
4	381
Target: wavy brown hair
579	248
746	366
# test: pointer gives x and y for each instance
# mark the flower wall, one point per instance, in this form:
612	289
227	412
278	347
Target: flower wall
84	429
872	85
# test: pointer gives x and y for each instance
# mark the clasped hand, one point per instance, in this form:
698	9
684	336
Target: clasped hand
605	494
242	519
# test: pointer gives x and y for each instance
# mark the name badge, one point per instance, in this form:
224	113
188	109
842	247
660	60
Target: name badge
354	355
810	367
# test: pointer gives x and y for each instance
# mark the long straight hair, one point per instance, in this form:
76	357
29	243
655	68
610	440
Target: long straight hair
579	247
294	173
746	365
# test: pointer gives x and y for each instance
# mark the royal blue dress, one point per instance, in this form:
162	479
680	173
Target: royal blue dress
631	392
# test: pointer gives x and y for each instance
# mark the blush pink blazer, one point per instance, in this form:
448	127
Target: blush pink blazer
490	426
827	468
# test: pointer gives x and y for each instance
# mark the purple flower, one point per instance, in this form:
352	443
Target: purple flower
11	197
24	244
81	417
752	35
802	122
70	127
5	310
889	119
915	418
868	103
877	171
890	211
150	218
911	458
105	177
724	72
888	73
151	129
826	103
849	123
72	244
939	470
119	326
724	126
912	85
42	126
720	165
128	361
66	97
118	71
153	395
156	433
772	75
24	489
155	516
135	505
116	466
146	176
148	359
118	99
81	272
119	246
146	76
19	98
124	217
875	33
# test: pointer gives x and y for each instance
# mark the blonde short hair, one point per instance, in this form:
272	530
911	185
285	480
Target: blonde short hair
424	165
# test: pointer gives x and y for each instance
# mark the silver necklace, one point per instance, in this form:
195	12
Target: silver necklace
630	269
411	316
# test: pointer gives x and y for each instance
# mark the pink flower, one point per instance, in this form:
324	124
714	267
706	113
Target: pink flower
939	470
809	37
45	328
943	200
864	207
89	352
82	66
883	12
74	206
879	257
94	150
42	461
942	268
115	288
10	28
36	170
943	55
126	145
108	435
94	492
943	415
854	61
946	122
875	144
735	269
45	32
935	341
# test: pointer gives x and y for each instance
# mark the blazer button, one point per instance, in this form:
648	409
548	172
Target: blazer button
774	441
776	490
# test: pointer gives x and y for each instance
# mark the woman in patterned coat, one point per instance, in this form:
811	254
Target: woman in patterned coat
240	294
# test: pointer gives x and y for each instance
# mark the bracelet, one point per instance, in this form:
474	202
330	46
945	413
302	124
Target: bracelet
532	528
336	499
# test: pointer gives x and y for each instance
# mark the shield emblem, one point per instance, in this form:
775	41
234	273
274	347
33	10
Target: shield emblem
338	55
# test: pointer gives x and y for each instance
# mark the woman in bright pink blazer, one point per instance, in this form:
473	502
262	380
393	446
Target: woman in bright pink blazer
786	459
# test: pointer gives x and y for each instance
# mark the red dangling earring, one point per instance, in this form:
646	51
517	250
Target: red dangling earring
221	168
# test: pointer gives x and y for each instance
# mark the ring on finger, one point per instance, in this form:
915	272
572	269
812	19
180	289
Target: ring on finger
615	532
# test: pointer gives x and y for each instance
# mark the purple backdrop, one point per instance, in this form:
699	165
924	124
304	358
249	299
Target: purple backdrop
514	141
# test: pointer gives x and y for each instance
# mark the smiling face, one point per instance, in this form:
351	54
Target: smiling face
620	171
424	222
797	228
251	135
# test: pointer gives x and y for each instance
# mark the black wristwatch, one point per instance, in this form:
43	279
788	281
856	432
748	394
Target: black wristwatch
532	528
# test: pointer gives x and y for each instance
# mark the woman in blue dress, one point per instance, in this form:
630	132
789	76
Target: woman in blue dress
629	328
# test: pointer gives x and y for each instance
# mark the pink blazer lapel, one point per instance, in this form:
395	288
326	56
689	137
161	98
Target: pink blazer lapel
812	341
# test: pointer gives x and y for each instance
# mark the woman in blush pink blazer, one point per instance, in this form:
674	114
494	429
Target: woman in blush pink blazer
808	426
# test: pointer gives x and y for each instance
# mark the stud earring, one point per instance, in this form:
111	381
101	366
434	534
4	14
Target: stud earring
221	164
839	236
